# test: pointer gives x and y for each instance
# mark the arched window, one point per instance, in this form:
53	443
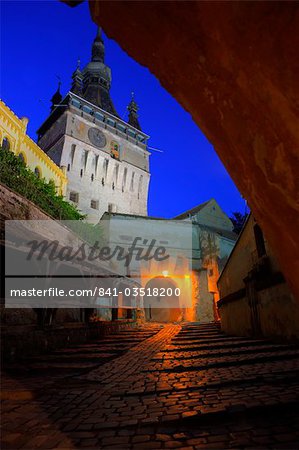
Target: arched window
22	157
132	182
124	180
115	174
5	143
38	172
140	184
105	168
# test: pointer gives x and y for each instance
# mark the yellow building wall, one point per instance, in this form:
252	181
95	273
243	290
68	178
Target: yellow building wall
14	129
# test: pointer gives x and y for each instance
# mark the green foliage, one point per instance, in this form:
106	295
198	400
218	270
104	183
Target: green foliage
17	176
88	232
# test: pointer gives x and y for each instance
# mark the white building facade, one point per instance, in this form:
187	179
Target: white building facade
199	242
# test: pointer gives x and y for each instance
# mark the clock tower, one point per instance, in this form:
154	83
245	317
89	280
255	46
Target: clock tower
105	158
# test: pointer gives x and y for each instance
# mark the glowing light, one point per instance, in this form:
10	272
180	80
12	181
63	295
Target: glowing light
165	273
187	277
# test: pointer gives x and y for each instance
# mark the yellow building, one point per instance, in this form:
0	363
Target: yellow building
13	137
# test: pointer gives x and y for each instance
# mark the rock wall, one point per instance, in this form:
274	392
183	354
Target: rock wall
15	207
234	66
278	314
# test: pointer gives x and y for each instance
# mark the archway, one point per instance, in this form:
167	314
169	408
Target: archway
161	303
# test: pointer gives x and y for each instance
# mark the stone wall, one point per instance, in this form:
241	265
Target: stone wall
15	207
19	342
278	314
255	299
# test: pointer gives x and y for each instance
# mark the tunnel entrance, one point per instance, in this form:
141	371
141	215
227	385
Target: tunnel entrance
161	304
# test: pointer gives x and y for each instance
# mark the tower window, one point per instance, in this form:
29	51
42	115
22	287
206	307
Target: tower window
96	161
85	158
72	155
5	144
92	177
111	207
140	185
105	167
74	197
94	204
124	180
81	173
115	176
132	182
116	173
68	167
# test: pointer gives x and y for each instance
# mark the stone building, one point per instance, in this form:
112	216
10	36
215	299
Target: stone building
199	242
105	158
13	137
255	299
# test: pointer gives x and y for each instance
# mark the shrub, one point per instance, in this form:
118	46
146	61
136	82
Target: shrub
17	176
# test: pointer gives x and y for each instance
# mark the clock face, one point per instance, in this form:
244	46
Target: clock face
96	137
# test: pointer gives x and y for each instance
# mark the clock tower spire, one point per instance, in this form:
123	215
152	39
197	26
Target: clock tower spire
97	77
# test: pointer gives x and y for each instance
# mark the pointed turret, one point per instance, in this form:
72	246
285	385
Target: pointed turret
133	116
97	77
98	47
77	80
57	97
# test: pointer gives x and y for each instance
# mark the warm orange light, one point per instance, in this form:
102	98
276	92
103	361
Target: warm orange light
165	273
187	277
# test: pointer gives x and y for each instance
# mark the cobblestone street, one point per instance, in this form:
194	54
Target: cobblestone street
156	387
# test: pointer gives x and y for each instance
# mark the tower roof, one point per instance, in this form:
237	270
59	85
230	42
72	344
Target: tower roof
97	77
57	97
98	47
77	80
133	116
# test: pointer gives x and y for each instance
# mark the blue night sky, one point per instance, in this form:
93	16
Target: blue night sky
42	40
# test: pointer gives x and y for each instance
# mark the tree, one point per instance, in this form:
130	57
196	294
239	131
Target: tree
238	219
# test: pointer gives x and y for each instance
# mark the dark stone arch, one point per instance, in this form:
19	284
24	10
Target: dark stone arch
160	308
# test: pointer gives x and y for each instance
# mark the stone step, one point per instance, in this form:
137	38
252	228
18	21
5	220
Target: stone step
222	339
74	358
185	355
289	377
227	362
226	344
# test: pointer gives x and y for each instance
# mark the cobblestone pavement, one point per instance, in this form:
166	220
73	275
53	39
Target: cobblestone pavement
158	387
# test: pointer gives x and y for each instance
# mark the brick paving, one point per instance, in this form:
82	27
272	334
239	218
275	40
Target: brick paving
160	386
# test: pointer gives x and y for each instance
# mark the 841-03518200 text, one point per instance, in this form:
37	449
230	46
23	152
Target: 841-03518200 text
141	292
